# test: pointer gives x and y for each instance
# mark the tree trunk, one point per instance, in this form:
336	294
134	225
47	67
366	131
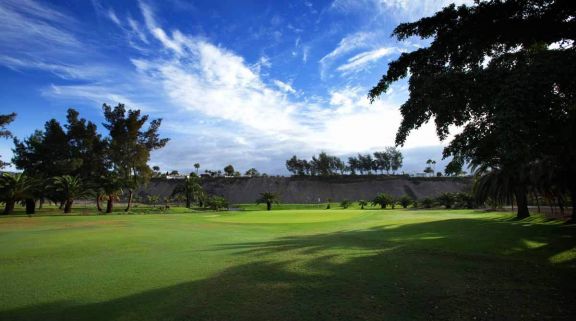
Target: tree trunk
9	207
188	202
110	204
68	206
30	206
521	203
129	201
573	197
41	204
268	206
98	196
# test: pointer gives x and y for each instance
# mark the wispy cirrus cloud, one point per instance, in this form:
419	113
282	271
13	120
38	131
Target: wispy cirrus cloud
399	10
361	60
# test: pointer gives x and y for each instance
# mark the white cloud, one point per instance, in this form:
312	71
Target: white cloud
360	60
348	44
284	86
217	107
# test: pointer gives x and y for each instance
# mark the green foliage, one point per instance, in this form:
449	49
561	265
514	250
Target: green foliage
345	203
362	203
405	201
217	203
382	200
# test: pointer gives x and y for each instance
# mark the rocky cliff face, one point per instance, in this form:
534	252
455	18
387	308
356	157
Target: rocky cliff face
317	189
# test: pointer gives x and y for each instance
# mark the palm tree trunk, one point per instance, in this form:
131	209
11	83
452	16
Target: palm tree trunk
522	203
9	207
110	204
30	206
129	200
268	206
68	206
188	201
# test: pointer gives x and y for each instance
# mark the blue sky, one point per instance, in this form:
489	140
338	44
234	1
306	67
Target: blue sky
243	82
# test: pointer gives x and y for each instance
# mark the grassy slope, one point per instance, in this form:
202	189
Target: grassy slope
287	265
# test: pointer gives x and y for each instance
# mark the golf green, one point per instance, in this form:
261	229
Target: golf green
287	265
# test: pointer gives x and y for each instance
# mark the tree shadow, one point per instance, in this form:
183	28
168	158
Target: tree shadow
441	270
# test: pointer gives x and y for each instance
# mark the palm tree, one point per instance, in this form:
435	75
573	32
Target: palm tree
502	187
383	200
197	166
70	188
268	198
190	188
110	189
362	203
14	188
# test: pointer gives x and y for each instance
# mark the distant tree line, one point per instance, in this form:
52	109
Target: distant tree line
387	161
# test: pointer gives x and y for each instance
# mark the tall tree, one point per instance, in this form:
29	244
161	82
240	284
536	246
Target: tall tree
5	133
396	158
504	72
131	144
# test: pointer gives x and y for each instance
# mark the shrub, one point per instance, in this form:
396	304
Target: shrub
217	203
405	201
446	199
427	202
464	200
345	204
362	203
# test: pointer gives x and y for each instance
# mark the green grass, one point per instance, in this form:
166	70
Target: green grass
304	264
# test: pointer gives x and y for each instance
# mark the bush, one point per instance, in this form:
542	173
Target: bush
464	200
405	201
217	203
446	199
427	202
362	203
345	204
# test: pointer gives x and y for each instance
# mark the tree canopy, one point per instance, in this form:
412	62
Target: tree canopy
503	71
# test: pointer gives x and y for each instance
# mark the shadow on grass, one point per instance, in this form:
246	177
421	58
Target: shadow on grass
461	269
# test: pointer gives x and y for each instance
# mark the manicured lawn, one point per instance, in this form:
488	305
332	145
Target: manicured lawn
306	264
